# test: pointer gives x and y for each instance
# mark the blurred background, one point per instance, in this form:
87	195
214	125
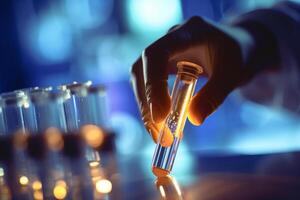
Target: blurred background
52	42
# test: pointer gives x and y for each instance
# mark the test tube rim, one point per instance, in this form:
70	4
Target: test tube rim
44	96
14	97
75	88
186	64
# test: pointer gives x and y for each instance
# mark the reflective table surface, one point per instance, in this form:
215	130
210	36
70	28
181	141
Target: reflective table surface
221	177
205	176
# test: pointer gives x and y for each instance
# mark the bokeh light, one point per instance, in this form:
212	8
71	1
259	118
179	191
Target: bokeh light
36	185
103	186
153	17
93	135
38	195
23	180
87	13
60	190
54	138
54	38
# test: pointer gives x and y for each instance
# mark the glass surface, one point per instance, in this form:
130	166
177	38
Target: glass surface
12	105
49	110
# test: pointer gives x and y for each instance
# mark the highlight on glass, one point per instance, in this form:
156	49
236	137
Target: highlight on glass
172	131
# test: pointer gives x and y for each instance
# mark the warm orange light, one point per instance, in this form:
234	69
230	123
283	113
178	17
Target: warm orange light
61	183
167	137
38	195
160	172
54	138
92	135
23	180
103	186
20	139
60	190
36	185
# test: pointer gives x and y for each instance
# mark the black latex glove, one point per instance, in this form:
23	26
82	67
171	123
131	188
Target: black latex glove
222	50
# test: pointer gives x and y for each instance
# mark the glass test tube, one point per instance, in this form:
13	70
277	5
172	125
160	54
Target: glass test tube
171	133
49	111
77	116
85	107
12	105
29	111
50	124
76	90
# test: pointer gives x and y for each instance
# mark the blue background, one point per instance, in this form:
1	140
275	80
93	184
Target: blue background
47	43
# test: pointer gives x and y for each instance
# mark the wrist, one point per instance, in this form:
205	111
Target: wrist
262	54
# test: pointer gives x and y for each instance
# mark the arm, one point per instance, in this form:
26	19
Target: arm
277	29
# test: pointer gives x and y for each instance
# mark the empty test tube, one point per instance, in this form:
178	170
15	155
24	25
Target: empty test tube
12	105
49	112
49	127
171	133
28	110
72	105
85	112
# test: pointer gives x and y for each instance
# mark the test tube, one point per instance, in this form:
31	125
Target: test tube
84	113
12	105
5	154
49	127
72	105
171	133
28	111
77	115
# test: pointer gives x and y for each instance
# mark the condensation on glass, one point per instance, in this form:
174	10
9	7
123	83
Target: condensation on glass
172	131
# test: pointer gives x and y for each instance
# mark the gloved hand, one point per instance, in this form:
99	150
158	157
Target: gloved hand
223	52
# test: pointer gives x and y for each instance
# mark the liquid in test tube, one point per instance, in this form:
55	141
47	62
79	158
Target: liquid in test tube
171	133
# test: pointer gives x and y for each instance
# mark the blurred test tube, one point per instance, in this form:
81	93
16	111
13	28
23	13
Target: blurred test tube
80	115
4	157
88	112
79	164
49	126
18	170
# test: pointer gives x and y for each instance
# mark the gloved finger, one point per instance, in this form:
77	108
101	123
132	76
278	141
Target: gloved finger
156	64
138	84
207	100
